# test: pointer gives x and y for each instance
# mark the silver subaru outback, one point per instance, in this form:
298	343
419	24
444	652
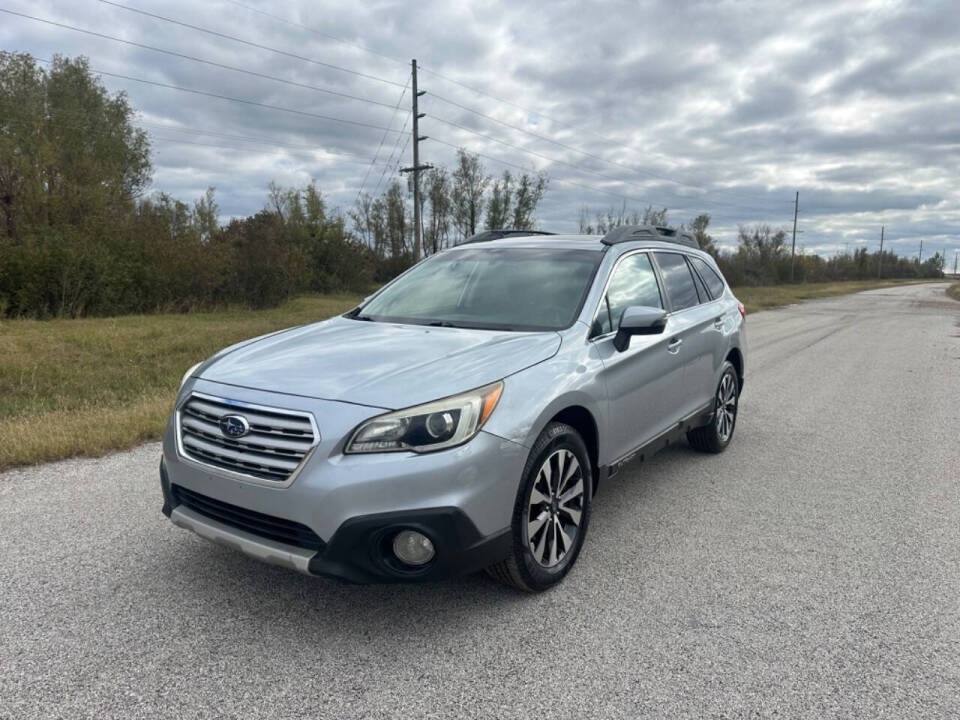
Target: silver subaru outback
464	416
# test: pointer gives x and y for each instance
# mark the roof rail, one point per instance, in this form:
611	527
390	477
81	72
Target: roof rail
488	235
630	233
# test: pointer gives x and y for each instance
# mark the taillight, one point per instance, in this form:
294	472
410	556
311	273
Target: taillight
742	309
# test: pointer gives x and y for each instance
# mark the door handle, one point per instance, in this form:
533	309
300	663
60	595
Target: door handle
674	346
718	323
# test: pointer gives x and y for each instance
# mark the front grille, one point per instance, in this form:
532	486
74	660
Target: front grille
266	526
276	445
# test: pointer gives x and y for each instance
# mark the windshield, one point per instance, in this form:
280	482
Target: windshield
497	289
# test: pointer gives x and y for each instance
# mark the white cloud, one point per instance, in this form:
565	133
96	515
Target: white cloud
727	108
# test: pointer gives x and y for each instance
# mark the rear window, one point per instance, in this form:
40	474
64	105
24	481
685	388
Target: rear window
710	276
678	280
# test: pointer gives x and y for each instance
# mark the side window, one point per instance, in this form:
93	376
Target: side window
701	288
633	283
678	280
714	282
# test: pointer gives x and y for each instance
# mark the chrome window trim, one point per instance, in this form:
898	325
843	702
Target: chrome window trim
240	405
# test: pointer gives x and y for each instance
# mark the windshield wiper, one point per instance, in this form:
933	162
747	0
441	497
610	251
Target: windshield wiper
443	323
360	316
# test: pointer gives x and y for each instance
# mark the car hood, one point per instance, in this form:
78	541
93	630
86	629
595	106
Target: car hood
379	364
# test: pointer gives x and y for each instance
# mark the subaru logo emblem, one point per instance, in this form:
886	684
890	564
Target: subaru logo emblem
234	426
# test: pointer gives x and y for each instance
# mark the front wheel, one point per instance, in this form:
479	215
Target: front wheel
551	513
716	434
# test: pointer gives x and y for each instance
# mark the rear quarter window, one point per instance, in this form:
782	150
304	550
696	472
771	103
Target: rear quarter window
710	276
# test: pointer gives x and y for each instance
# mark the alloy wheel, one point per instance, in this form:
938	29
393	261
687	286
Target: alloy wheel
555	509
726	411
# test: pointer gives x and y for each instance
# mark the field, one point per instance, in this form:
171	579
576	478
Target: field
954	291
86	387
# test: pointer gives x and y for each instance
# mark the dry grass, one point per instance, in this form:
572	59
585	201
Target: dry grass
764	298
86	387
954	291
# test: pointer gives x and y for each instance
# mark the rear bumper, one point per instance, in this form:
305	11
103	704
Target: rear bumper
360	550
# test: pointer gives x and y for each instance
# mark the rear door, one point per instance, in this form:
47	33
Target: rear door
691	330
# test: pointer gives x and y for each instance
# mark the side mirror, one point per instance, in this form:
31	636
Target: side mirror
639	320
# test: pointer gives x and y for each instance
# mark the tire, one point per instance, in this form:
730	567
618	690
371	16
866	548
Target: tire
715	436
560	526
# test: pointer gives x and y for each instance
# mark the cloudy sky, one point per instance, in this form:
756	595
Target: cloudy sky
720	107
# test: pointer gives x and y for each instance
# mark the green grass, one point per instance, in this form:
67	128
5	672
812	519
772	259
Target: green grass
86	387
764	298
954	291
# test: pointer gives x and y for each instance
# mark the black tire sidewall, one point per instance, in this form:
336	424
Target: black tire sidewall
554	437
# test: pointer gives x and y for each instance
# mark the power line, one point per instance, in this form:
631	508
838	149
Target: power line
562	181
293	23
374	102
567	125
244	101
252	44
181	141
198	60
390	163
261	140
380	146
448	79
586	170
584	152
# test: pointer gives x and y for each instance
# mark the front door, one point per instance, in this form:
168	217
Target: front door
643	381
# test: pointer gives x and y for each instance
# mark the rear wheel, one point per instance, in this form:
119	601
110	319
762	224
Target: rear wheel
717	434
551	513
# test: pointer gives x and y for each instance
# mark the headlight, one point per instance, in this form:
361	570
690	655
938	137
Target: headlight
434	426
188	373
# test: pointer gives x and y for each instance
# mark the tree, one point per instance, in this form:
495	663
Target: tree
654	217
437	192
69	151
614	218
469	185
761	254
206	215
499	203
530	191
699	229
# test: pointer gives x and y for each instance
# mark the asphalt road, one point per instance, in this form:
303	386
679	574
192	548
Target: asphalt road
812	570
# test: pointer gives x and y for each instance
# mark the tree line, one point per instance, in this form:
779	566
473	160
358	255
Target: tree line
763	255
80	235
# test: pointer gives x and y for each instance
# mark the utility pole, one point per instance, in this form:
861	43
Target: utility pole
880	258
920	259
793	245
955	256
417	167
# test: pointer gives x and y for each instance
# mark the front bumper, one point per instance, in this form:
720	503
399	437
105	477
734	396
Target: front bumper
461	498
359	551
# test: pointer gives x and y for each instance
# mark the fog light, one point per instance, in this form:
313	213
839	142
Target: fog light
413	548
